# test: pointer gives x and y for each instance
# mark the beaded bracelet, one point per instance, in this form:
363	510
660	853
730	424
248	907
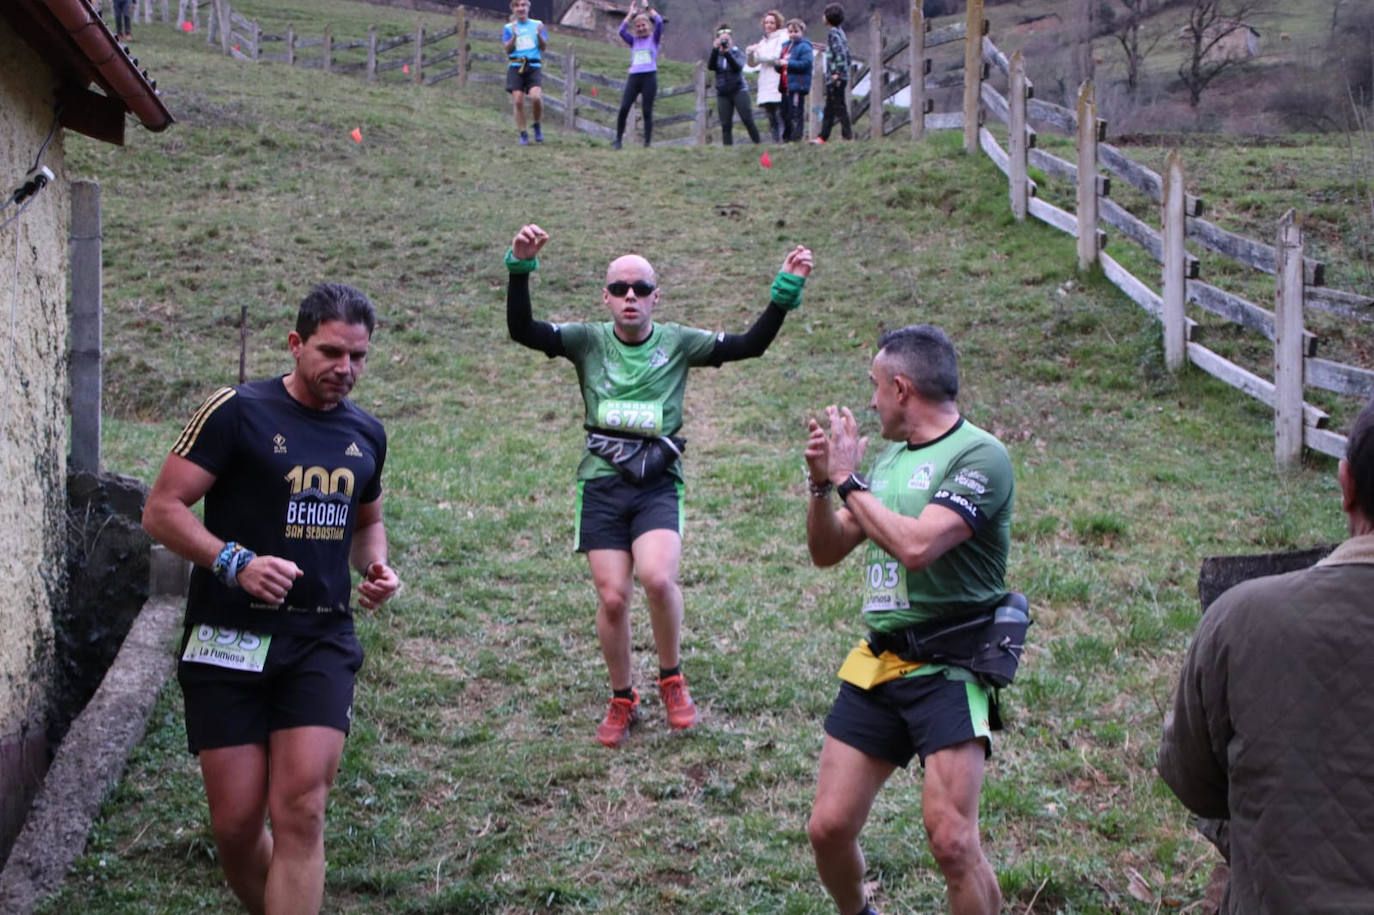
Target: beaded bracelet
819	490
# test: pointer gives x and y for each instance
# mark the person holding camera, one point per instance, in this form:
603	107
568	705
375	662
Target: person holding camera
633	373
935	511
732	92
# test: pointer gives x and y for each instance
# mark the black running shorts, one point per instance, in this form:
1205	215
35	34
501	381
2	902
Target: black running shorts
612	512
909	716
306	680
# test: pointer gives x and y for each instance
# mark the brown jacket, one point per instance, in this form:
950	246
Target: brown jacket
1273	730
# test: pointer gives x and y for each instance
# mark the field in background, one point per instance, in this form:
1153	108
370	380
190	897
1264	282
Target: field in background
472	782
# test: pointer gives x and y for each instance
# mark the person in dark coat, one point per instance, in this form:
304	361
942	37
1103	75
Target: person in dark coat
732	92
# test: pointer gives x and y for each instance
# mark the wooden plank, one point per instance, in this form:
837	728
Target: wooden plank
439	58
485	58
1052	165
445	74
684	118
1143	234
994	103
1248	251
586	101
592	127
950	79
484	35
550	79
1336	302
1057	117
995	58
945	120
1127	282
442	35
1332	444
892	52
1062	220
388	44
988	143
684	89
596	79
944	35
1248	383
1338	377
1241	311
1141	178
477	76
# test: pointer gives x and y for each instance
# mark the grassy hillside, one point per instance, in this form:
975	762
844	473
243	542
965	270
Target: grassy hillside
472	782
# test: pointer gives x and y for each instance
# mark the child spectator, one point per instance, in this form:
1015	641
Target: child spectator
796	79
732	92
837	65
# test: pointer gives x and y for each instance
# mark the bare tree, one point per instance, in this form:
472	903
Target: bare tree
1132	32
1210	37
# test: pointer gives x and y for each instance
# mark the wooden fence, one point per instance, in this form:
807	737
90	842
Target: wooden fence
1298	281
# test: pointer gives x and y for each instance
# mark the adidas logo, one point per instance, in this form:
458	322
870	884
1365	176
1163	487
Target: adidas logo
352	450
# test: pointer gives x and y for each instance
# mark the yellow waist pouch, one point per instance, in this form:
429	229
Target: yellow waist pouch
866	670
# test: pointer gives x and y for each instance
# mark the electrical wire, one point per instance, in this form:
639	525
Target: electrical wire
17	214
52	131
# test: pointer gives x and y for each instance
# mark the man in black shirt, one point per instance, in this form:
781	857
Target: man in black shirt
290	471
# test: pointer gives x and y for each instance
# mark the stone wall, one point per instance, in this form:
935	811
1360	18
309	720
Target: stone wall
33	423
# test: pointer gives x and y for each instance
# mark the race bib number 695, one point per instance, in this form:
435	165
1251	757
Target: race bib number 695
236	649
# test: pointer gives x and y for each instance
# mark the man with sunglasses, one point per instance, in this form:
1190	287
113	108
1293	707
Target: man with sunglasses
633	374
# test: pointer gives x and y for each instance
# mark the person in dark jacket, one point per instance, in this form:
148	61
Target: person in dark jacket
837	66
796	79
732	92
1269	732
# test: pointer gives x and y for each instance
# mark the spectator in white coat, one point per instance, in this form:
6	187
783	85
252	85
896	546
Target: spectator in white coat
763	54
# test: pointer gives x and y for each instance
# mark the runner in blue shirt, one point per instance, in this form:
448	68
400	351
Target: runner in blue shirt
524	40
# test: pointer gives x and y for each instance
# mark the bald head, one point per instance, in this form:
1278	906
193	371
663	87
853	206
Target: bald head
630	267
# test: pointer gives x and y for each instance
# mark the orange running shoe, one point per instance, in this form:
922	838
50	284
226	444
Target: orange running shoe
677	702
622	715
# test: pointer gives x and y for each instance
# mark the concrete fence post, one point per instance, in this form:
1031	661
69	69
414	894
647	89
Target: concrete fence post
85	244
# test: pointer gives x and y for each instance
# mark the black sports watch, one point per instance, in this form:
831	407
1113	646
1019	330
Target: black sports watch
851	483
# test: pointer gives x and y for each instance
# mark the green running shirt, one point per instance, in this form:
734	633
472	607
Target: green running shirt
633	389
968	471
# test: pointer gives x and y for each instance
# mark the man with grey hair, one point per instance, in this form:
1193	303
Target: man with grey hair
1270	724
936	512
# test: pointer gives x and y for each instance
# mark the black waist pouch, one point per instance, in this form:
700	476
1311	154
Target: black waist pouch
989	644
637	460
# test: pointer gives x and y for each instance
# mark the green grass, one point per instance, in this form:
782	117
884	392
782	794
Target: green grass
472	782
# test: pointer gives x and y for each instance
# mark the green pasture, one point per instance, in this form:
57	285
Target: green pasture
472	782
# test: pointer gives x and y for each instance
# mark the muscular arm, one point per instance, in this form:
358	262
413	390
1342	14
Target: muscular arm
168	518
753	342
830	535
914	542
368	554
540	335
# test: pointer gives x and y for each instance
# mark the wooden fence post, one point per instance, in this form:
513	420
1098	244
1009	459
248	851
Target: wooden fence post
166	14
372	54
876	82
462	26
1175	265
1087	177
255	38
916	65
415	76
226	26
1016	138
290	45
817	91
1288	344
699	127
195	15
973	73
462	48
212	21
328	49
570	89
85	242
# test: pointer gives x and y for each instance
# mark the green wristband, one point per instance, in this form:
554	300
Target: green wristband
787	290
516	265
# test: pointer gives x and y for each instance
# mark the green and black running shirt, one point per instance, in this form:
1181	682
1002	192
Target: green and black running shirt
288	483
968	471
633	389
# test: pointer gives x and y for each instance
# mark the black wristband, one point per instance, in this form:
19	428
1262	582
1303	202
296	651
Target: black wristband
851	483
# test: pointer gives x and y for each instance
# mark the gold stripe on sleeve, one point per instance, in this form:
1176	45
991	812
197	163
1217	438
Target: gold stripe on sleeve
198	419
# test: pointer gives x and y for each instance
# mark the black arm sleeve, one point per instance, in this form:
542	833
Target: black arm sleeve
751	343
540	335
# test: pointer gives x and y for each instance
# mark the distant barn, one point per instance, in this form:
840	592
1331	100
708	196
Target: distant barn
601	18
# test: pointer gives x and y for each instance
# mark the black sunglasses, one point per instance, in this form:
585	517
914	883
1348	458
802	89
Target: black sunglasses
640	287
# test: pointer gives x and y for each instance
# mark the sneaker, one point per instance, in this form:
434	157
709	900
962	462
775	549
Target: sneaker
817	141
538	134
524	138
615	144
622	715
677	702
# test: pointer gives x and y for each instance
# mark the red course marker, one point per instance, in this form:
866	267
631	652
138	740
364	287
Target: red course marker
357	134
